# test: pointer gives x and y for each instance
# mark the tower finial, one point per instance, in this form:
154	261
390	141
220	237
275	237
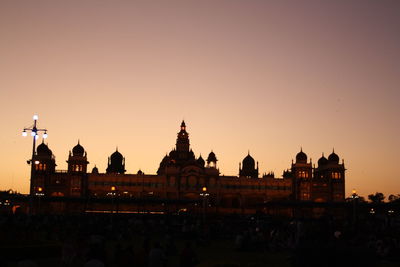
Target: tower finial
301	149
116	149
78	142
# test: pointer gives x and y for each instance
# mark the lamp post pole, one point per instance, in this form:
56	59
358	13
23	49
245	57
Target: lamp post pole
355	197
35	135
204	194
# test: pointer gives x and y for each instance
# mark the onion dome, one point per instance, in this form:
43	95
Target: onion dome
116	156
200	161
78	150
43	150
211	157
301	157
248	162
322	161
140	172
95	170
333	157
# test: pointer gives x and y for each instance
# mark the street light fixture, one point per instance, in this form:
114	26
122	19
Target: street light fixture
35	134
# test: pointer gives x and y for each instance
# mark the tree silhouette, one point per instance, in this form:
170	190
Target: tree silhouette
376	198
394	198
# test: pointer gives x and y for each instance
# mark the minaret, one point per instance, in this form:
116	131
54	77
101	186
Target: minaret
77	160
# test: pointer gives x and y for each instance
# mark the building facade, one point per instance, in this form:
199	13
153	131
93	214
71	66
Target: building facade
182	176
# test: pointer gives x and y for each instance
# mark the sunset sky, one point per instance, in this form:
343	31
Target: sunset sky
264	76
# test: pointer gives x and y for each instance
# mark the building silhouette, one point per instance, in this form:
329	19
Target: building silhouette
182	177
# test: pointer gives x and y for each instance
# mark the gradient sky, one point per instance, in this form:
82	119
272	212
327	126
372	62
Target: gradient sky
264	76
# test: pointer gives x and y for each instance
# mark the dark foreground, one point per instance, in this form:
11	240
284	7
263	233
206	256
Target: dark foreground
183	240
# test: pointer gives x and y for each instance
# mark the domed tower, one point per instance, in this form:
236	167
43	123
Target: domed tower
44	165
329	178
248	168
44	161
182	143
302	175
77	160
116	163
212	160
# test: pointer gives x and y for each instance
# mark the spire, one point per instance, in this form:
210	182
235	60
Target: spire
183	126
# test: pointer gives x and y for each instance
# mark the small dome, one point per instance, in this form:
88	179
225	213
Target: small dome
248	161
211	157
95	170
333	158
301	157
78	150
322	161
200	161
43	150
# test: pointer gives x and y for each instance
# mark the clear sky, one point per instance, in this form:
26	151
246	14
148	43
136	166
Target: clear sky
264	76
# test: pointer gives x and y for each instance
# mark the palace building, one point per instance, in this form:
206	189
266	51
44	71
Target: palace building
182	178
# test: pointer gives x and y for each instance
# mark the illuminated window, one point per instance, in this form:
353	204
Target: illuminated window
305	196
302	174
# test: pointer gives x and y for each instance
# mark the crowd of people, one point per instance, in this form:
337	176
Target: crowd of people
173	240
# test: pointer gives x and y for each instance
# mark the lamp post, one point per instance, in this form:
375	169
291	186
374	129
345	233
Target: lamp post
354	197
204	194
39	194
34	131
113	194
